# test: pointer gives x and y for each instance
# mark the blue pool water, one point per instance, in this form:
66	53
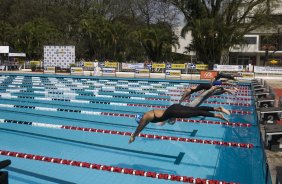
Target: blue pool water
35	108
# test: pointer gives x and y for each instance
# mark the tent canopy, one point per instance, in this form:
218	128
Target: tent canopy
11	52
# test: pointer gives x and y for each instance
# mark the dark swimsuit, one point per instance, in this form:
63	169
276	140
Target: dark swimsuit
201	87
224	75
180	111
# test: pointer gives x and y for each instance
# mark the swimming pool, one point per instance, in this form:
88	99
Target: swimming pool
71	129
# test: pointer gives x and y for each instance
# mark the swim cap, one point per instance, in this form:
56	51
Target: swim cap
171	122
215	83
138	117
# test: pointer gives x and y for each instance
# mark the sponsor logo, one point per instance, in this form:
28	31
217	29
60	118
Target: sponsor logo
208	74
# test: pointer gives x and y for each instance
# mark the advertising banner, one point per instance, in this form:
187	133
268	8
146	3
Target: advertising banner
111	64
178	66
208	74
60	56
50	69
37	63
88	64
191	66
76	71
142	73
231	68
246	75
108	72
267	69
201	67
130	66
173	73
158	65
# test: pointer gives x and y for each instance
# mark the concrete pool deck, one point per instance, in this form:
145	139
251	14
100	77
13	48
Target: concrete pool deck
274	158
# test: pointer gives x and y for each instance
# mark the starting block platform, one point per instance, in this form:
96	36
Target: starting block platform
265	102
257	90
269	114
258	86
261	94
273	137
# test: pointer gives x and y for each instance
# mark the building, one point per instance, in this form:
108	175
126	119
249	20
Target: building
264	44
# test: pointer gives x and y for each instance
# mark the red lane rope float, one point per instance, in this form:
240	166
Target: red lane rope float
183	120
240	94
226	86
228	103
100	113
166	106
149	136
108	168
218	97
215	122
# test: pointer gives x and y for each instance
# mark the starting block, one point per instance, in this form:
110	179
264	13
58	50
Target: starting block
273	137
257	90
258	86
269	114
265	102
279	172
261	94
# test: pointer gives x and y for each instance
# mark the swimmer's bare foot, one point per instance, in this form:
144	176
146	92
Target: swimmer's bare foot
236	89
220	116
222	109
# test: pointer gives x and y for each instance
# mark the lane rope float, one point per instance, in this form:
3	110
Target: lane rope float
108	168
149	136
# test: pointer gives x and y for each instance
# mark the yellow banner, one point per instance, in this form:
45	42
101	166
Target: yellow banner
201	67
51	68
77	70
88	64
157	65
248	75
143	71
35	62
178	66
111	64
175	74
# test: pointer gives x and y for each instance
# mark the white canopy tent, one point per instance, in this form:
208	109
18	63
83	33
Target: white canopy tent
11	52
7	52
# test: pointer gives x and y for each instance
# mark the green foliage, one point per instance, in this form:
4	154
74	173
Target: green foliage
218	25
33	67
107	29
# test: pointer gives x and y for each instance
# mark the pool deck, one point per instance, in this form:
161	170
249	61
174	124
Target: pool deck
274	158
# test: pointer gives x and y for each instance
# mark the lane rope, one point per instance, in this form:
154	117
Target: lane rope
108	168
8	96
114	132
97	113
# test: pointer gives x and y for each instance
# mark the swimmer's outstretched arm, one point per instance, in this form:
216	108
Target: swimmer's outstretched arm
186	94
143	123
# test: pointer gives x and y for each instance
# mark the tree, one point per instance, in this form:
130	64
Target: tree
218	25
32	36
157	41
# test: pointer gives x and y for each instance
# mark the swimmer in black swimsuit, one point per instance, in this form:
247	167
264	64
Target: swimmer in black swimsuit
176	111
4	174
223	79
227	76
210	90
